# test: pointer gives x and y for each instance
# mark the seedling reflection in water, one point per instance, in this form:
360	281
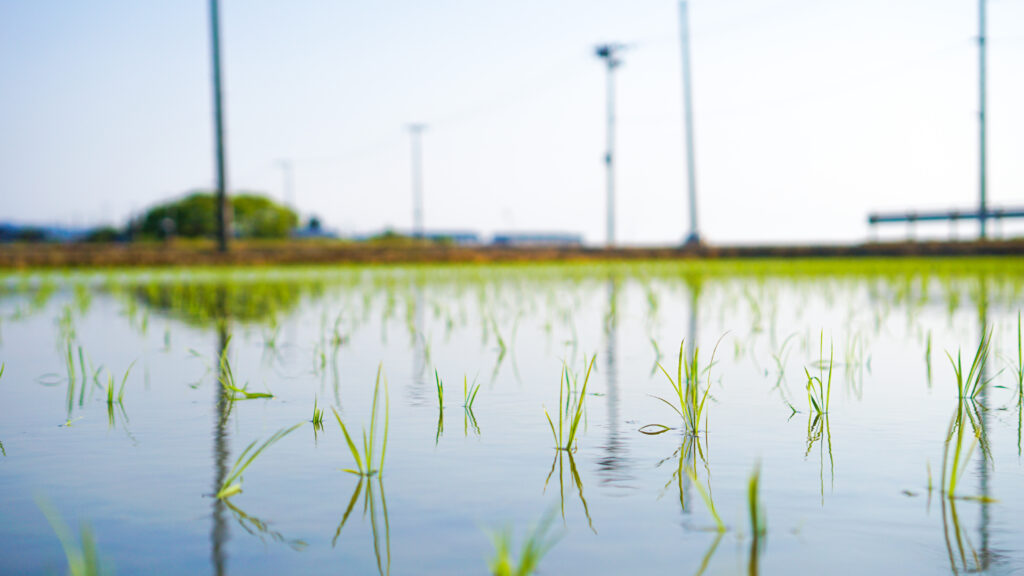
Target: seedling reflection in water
365	488
574	480
365	460
233	482
261	529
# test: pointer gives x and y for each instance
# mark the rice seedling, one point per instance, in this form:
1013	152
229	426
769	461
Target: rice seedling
538	543
968	386
365	459
440	390
570	409
233	481
780	358
82	557
468	393
928	358
232	391
120	392
1019	368
758	524
686	385
318	415
819	390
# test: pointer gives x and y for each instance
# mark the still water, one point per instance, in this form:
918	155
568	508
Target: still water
861	486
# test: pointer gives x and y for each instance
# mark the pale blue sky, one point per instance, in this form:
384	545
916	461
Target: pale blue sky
808	114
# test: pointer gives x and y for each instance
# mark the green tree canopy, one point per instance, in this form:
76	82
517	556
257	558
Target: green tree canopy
195	215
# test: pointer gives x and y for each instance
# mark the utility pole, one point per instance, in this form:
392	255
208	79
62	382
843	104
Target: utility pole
416	132
982	159
693	237
610	54
223	207
288	188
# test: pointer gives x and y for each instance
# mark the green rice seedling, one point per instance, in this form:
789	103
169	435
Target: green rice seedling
928	358
468	398
1019	368
970	385
233	481
468	393
318	415
227	380
570	410
819	390
758	524
686	385
705	495
537	544
365	459
440	390
110	390
83	558
780	359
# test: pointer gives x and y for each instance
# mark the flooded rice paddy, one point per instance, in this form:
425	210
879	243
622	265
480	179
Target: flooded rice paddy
434	420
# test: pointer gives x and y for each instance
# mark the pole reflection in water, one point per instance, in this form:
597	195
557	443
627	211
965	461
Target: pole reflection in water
983	464
221	448
420	346
612	466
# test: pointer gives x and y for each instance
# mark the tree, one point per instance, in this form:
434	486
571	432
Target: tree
195	215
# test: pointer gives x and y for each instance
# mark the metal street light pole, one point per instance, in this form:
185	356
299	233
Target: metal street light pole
416	132
223	207
609	53
693	237
982	159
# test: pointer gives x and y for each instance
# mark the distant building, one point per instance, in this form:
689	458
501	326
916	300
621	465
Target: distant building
313	229
458	237
11	232
559	239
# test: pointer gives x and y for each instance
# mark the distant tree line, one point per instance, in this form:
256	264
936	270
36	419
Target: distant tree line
195	216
